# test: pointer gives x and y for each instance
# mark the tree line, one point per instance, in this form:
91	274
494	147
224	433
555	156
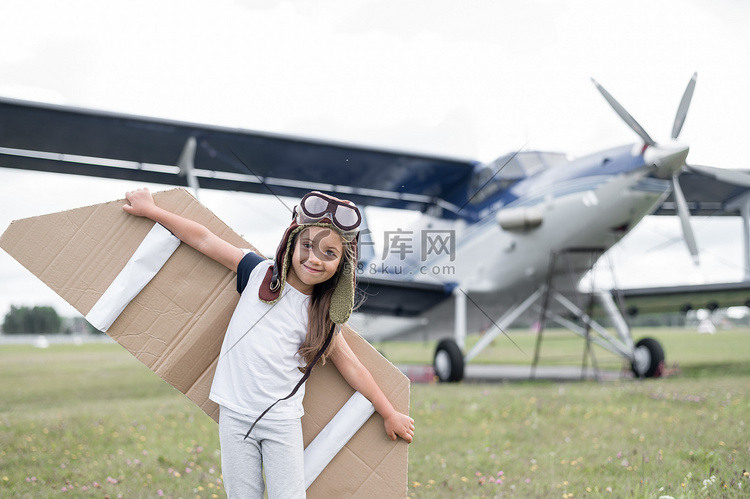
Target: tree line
39	320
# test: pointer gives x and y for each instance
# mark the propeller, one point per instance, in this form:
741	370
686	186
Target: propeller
682	110
668	158
684	213
626	117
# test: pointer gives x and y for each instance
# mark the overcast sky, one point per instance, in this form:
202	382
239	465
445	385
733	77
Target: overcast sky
470	79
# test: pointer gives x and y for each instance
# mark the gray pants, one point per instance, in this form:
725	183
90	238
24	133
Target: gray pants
274	446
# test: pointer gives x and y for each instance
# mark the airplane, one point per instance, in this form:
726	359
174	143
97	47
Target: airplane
513	237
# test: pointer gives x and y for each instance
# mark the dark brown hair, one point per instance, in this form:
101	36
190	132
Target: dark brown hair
318	317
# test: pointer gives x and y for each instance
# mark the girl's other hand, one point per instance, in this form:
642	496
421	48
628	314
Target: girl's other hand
399	425
140	201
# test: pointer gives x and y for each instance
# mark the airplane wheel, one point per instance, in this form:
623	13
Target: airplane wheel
449	361
649	359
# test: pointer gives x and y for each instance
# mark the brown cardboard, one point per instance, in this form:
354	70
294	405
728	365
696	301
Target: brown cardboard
176	324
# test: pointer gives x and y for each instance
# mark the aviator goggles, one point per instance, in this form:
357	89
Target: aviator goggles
315	206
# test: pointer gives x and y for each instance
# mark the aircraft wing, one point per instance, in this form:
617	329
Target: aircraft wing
709	191
52	138
684	298
399	298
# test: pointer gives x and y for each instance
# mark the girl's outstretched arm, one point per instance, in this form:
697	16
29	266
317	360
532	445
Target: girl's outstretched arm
141	204
357	375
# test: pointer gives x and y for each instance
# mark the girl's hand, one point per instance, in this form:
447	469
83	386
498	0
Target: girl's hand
399	425
192	233
140	201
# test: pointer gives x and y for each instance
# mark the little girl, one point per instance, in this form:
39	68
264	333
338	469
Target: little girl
276	334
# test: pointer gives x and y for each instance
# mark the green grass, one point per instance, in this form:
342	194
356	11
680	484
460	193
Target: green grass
92	421
695	354
628	439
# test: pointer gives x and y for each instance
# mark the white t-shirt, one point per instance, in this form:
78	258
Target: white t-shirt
259	363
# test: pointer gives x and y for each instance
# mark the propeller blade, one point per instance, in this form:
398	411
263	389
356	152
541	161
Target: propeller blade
684	213
626	117
682	110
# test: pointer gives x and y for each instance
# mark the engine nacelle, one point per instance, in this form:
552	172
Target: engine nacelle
520	219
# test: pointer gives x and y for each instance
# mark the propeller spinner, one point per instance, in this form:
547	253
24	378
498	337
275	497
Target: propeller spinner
669	158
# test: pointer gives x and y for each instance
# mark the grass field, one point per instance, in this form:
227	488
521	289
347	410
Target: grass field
91	421
698	354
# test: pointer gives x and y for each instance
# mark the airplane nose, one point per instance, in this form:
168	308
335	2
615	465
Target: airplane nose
667	157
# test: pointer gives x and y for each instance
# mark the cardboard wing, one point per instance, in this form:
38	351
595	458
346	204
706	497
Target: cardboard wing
174	323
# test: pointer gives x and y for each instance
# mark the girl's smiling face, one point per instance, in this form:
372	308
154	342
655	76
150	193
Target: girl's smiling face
316	258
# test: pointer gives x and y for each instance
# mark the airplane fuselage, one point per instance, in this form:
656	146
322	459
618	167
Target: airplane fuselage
591	202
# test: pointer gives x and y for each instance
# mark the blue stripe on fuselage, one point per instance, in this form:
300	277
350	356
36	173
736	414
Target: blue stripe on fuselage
580	175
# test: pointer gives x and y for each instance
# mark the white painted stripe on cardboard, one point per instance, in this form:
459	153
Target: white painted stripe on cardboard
148	259
335	435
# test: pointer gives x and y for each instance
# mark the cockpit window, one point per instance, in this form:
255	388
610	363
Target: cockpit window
506	170
534	162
